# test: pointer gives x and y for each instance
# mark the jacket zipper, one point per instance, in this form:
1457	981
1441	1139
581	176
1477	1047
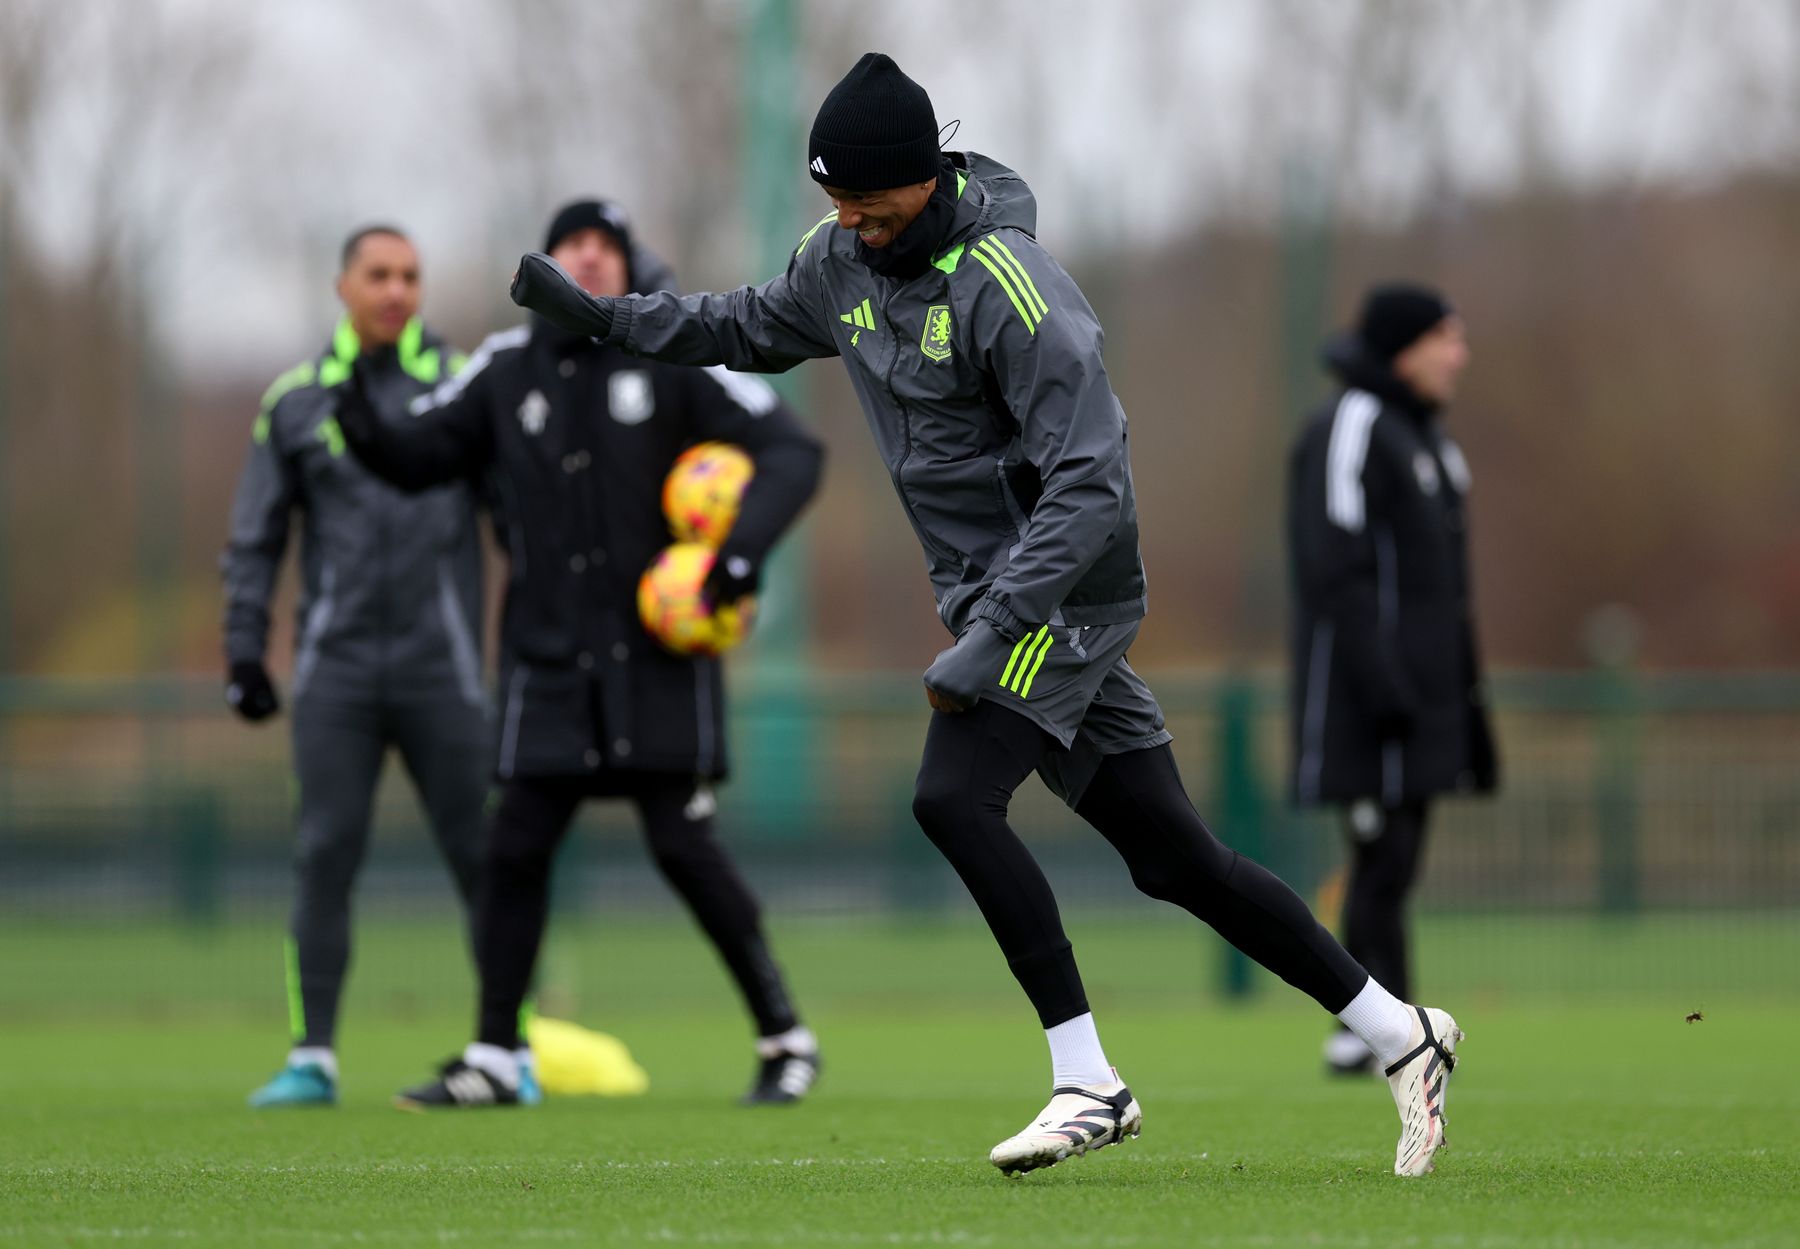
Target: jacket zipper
383	588
905	414
905	417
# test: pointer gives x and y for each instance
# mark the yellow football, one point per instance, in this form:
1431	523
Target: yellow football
673	612
703	490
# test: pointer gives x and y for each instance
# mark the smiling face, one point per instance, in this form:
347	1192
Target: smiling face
380	288
879	217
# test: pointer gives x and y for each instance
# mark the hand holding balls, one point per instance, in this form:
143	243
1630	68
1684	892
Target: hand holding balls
700	498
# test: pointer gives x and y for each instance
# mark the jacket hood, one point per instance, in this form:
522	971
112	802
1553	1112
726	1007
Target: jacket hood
1349	360
996	198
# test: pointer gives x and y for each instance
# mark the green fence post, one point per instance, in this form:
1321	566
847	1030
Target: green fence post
779	771
1242	803
197	841
1612	641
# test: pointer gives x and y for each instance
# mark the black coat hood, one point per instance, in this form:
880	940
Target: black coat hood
1350	361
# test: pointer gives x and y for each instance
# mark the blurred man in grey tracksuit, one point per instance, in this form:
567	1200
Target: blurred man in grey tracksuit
388	646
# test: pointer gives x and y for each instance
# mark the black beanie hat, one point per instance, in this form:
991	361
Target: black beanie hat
1396	315
589	214
875	130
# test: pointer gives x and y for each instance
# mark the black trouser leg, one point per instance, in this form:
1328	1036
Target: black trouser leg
338	750
444	744
1382	871
1137	802
682	841
973	762
513	897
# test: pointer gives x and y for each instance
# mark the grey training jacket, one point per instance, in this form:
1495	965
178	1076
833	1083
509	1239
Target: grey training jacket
390	600
983	384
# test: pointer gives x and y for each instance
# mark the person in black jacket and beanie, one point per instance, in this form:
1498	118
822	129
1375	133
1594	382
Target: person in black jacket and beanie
572	440
1389	708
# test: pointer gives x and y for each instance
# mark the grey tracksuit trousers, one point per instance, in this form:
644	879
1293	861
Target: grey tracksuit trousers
341	733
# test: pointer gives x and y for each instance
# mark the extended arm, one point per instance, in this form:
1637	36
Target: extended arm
756	329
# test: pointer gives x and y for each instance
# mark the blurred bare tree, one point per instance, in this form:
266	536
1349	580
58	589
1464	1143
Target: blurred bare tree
1609	191
133	118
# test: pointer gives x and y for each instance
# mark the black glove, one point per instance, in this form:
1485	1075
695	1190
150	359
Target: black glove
958	675
249	692
542	286
730	578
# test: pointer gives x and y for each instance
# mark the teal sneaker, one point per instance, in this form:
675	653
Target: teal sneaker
531	1093
305	1084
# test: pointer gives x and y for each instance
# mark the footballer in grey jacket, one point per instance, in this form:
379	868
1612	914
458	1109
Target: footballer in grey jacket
978	365
388	647
982	382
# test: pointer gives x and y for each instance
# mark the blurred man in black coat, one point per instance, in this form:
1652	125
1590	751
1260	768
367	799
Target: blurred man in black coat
571	440
1389	708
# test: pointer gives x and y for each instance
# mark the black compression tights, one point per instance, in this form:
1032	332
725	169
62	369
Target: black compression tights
514	898
973	763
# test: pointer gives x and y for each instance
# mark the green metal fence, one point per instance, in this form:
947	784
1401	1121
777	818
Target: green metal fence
1651	821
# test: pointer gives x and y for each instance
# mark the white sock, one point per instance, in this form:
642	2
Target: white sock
798	1039
1075	1054
522	1056
320	1056
497	1062
1383	1021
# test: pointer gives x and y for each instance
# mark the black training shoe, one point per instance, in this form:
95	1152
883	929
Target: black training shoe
782	1079
457	1085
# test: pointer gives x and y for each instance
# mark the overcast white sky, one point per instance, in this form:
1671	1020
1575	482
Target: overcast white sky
1135	121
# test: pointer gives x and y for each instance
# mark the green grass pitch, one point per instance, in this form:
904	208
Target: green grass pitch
1578	1117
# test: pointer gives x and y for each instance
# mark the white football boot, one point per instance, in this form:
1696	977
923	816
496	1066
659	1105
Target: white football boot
1076	1120
1420	1083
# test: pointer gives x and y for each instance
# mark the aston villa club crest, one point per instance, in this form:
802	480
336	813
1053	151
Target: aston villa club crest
534	412
1425	469
629	396
935	341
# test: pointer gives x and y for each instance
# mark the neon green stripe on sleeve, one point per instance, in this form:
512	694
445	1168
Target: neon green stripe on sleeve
1006	285
1026	286
1018	649
300	375
1049	641
807	237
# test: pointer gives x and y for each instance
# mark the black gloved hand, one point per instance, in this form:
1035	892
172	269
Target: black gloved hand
249	692
958	675
730	578
542	285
